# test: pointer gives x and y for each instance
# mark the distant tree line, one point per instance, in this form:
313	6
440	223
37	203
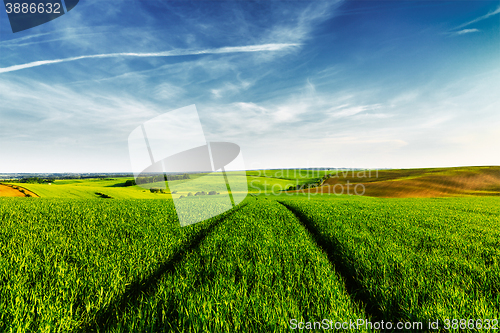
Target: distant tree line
154	179
156	190
31	180
313	184
190	194
37	180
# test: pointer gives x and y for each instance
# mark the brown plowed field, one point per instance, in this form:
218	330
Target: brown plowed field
415	183
7	191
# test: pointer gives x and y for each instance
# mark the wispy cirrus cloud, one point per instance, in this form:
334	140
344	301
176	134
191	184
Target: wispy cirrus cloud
459	30
172	53
299	29
465	31
495	12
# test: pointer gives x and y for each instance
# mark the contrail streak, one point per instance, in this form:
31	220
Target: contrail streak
173	53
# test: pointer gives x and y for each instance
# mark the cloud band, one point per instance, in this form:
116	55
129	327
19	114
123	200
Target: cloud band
173	53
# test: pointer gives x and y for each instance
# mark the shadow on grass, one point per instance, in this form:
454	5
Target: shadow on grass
333	250
107	318
118	185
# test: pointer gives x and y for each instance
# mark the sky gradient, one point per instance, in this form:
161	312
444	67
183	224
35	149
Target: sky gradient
295	83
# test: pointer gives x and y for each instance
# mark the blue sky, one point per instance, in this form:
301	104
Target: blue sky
294	83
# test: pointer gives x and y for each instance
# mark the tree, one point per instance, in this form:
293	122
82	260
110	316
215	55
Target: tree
130	182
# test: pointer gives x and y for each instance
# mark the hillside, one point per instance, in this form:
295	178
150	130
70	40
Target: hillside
15	191
420	183
395	183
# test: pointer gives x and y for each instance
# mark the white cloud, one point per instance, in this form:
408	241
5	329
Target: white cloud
173	53
412	129
229	88
405	98
351	111
168	91
301	26
494	12
48	111
465	31
15	41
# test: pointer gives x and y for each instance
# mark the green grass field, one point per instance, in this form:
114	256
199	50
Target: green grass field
414	258
87	189
71	261
114	187
430	182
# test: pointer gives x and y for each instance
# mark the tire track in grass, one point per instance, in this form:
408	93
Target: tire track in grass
419	260
333	251
258	271
109	316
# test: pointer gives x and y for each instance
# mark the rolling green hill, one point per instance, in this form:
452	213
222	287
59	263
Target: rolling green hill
397	183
